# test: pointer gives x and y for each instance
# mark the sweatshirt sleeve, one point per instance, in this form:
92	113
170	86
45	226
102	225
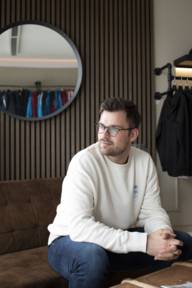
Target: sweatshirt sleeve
77	207
152	216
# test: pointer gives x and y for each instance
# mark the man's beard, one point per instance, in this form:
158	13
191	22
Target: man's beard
107	148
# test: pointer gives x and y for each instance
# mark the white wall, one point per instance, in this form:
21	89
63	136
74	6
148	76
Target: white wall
173	38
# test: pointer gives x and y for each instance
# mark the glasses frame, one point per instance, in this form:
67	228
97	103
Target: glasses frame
111	130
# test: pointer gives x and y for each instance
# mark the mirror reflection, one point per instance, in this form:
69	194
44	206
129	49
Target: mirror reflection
40	71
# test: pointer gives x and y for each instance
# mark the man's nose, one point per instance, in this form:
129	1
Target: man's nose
106	131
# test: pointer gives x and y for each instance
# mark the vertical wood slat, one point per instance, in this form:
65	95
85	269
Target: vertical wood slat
73	108
134	50
2	139
37	150
111	49
12	149
115	43
67	15
106	50
92	69
116	55
53	148
82	105
32	151
149	105
57	148
47	163
43	149
63	144
120	53
17	149
152	88
8	11
3	15
143	70
28	149
138	55
102	29
23	151
125	23
7	154
87	71
97	60
130	20
77	106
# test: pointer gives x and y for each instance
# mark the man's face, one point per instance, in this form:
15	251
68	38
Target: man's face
115	147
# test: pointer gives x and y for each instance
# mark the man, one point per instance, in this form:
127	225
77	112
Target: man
110	189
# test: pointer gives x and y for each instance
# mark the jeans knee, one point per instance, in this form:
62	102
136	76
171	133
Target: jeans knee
95	258
82	264
90	268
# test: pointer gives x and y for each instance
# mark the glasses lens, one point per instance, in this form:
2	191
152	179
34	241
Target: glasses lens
100	128
113	131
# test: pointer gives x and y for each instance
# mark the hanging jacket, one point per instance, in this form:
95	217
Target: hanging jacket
64	97
173	135
52	101
58	100
189	101
47	106
34	103
29	111
3	101
40	104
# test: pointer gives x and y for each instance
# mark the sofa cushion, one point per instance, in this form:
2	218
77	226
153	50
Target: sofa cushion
29	269
26	208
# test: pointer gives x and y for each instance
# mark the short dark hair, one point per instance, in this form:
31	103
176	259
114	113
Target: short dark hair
119	104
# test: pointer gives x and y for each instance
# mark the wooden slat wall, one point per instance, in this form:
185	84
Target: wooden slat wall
114	39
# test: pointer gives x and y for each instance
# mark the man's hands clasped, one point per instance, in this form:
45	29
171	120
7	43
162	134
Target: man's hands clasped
163	246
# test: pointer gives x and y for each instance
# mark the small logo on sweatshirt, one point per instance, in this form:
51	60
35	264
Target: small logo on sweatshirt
135	190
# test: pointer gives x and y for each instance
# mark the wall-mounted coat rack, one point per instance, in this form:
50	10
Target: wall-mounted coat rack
180	65
158	71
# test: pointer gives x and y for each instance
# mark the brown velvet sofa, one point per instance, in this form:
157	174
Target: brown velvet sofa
26	208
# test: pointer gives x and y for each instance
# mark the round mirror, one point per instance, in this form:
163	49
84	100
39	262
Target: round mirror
41	71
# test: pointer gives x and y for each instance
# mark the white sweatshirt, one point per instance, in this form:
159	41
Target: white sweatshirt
101	199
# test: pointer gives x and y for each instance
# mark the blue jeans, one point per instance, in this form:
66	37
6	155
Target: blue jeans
87	265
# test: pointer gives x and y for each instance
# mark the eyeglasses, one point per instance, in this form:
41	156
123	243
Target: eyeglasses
112	130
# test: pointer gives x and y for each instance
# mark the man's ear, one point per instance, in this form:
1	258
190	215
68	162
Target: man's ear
134	134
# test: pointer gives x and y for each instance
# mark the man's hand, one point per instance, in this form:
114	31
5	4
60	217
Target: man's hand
163	246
